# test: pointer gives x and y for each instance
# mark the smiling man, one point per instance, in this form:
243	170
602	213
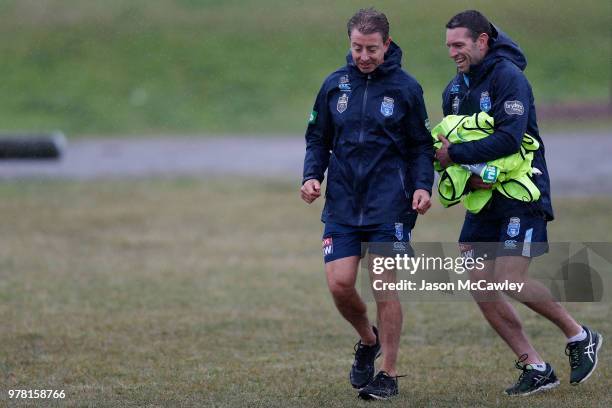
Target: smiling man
490	79
368	129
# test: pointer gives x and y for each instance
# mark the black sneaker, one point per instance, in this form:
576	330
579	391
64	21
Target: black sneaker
382	387
362	370
583	356
532	380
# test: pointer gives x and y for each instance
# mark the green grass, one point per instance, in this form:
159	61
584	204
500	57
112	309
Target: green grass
157	66
211	293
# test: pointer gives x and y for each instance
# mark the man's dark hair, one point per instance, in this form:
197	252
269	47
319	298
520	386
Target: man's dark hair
369	21
473	20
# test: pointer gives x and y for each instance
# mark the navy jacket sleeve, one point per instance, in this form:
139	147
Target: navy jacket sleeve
318	139
421	153
510	109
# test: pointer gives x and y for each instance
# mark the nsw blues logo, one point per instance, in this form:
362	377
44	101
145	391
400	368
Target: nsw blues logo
455	89
386	107
485	102
514	227
399	230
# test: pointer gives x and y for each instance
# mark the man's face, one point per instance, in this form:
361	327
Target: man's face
368	50
464	50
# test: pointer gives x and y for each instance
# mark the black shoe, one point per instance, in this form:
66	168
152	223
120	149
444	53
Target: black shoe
382	387
362	370
532	380
583	356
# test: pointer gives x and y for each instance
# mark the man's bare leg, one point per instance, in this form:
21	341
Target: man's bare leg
341	278
515	269
502	316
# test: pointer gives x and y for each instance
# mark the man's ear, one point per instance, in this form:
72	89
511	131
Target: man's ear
483	41
387	43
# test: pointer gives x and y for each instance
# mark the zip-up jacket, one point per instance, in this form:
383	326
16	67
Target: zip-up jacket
499	87
369	131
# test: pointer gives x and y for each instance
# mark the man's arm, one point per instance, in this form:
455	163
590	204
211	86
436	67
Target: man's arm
318	139
421	154
421	151
511	113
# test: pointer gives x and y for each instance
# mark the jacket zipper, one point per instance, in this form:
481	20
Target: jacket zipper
363	109
399	171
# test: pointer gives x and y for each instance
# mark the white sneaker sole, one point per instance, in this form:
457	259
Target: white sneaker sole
541	389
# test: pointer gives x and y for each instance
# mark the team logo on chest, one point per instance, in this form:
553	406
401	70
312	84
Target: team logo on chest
485	102
342	103
386	107
455	89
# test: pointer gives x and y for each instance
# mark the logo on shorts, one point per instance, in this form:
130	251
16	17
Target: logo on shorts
510	244
328	246
399	246
399	231
514	227
342	103
485	102
466	250
386	107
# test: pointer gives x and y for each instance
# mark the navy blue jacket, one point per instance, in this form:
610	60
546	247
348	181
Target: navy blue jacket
370	133
498	86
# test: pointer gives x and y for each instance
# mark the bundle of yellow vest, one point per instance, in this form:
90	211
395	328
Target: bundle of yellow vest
510	175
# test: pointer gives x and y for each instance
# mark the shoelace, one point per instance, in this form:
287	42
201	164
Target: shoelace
573	352
519	364
382	374
360	352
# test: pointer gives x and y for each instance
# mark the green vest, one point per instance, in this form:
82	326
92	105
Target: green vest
510	175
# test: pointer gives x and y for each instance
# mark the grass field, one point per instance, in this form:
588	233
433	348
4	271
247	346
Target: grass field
156	66
211	293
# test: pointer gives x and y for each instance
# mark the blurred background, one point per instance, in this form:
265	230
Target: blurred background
165	259
145	67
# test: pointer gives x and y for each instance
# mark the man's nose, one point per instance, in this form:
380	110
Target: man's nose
452	52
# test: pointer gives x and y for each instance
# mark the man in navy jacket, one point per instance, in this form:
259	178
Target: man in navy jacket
368	129
490	78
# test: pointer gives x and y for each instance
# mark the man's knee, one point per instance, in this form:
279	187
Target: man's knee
340	289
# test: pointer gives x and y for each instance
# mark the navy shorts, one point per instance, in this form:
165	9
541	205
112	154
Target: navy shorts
488	235
340	240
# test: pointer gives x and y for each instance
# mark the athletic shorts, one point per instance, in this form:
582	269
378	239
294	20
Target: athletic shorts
490	236
340	240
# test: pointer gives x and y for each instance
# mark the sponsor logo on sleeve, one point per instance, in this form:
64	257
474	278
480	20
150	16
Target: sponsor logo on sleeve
514	107
313	117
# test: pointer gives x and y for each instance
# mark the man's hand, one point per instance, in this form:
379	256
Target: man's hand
442	154
311	190
421	201
476	183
